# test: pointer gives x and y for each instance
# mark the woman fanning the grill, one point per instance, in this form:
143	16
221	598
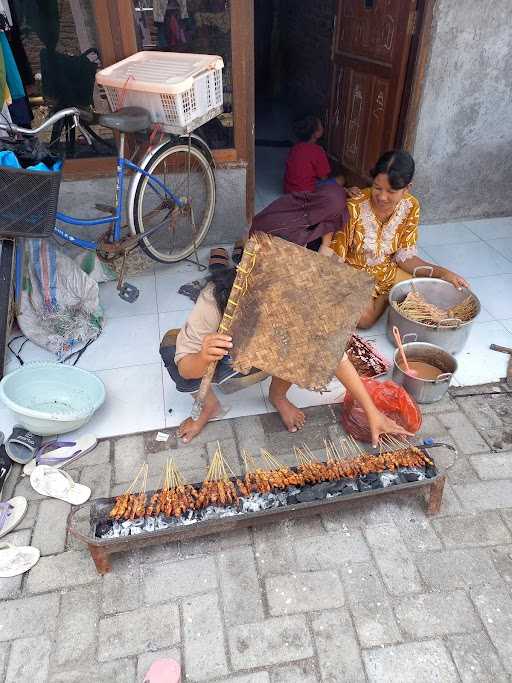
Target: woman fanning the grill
382	231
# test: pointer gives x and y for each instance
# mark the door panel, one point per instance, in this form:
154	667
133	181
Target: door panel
369	58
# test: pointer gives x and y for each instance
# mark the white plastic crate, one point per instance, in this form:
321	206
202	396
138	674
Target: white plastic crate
181	91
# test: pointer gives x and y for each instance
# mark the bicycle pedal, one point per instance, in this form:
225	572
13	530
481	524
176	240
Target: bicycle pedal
129	293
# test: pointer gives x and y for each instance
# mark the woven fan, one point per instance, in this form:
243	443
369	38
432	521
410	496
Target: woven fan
291	313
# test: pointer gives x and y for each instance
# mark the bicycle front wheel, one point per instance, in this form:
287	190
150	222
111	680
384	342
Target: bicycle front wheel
186	172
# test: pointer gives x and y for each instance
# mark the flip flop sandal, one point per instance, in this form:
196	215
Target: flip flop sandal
54	483
218	260
5	467
22	445
163	671
238	250
11	514
192	290
17	559
60	453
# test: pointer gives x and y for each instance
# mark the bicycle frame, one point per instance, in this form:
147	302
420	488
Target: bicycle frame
115	220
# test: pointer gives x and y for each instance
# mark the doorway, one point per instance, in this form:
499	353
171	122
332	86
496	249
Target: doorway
351	62
292	42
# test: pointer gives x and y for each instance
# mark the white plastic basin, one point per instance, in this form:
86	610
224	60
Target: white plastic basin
51	398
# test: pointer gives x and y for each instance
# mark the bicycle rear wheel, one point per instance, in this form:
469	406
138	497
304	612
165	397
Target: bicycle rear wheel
6	296
186	172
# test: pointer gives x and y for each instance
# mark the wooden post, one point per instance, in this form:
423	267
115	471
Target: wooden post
436	496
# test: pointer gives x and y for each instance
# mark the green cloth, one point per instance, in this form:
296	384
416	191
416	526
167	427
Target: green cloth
3	80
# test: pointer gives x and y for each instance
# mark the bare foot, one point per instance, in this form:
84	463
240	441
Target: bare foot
292	417
190	428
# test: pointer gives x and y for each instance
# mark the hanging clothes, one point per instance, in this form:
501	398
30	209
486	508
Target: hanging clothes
11	70
18	50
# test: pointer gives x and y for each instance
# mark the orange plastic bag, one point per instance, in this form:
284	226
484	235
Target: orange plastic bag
391	399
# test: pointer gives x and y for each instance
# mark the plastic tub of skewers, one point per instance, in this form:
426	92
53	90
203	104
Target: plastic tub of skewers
433	310
267	491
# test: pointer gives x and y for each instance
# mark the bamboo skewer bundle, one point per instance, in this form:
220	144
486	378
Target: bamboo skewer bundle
416	307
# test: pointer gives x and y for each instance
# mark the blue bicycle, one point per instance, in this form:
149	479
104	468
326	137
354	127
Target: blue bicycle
170	202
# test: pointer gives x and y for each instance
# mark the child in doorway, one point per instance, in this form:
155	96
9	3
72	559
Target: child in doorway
307	162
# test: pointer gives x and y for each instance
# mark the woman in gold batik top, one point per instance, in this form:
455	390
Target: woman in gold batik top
382	231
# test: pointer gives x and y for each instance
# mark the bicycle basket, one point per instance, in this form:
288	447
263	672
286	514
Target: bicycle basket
28	202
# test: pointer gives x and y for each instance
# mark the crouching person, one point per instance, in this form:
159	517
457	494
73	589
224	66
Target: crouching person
188	352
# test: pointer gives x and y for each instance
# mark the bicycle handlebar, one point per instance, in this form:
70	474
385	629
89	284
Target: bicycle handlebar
12	128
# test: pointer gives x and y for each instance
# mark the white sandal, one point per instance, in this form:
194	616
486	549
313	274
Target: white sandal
16	560
61	453
54	483
11	514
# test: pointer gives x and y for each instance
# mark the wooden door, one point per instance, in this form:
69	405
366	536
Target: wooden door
370	53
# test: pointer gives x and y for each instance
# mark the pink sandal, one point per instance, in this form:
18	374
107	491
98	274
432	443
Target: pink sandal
163	671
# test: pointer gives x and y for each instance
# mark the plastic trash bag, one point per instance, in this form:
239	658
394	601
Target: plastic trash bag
59	303
391	399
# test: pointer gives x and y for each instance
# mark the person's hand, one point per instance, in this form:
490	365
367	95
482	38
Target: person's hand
381	424
456	280
215	347
353	192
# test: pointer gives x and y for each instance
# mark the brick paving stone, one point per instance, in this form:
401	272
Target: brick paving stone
194	457
163	582
476	659
293	673
77	626
460	568
494	466
479	411
97	478
361	580
151	445
436	614
273	641
11	587
28	616
450	504
203	634
4	655
393	559
485	495
119	671
415	527
358	515
121	589
463	432
431	427
331	550
30	516
145	660
24	488
283	441
138	631
50	528
479	529
494	604
69	569
241	592
502	557
304	592
249	433
256	677
338	652
215	543
422	662
273	551
99	456
28	660
218	429
128	457
458	467
445	405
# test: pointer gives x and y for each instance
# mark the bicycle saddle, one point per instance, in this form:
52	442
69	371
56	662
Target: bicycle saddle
126	120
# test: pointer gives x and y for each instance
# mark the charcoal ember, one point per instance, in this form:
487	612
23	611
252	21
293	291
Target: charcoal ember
102	529
389	478
430	472
149	524
189	517
410	474
370	482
